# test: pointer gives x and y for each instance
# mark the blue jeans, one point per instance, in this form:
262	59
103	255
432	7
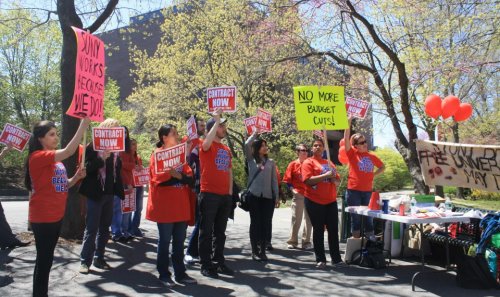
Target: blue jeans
135	218
192	248
120	222
177	233
358	198
98	220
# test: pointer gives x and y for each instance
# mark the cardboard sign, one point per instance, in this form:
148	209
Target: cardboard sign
221	97
15	136
263	120
320	108
460	165
192	131
250	124
141	177
171	157
356	107
128	204
111	139
88	96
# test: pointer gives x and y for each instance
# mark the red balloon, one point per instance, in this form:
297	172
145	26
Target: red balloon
463	113
343	155
433	106
342	142
449	106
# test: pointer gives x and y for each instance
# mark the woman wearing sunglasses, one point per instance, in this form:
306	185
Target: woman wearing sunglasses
360	181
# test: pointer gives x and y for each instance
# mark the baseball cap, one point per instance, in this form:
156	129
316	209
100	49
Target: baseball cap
211	123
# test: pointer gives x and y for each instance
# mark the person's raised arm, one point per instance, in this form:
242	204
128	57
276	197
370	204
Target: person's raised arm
70	149
248	144
4	151
347	135
207	143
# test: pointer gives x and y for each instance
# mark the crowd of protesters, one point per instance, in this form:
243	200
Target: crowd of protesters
200	193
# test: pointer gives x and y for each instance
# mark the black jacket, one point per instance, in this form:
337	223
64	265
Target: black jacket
92	186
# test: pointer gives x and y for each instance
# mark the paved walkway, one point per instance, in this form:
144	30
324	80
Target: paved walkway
288	273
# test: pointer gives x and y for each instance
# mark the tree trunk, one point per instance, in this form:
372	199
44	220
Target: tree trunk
456	139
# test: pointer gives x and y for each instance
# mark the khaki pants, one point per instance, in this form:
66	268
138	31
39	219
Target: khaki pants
298	212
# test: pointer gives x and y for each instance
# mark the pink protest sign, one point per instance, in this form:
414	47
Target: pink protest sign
192	131
250	124
263	120
356	107
15	136
88	97
221	97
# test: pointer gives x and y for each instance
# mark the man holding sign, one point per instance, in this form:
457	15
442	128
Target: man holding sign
215	197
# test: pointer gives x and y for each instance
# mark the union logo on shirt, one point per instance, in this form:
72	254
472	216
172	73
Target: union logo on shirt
60	179
324	169
365	164
222	160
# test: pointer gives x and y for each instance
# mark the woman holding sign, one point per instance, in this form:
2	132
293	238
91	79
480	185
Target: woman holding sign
263	186
360	180
135	219
46	179
321	179
169	207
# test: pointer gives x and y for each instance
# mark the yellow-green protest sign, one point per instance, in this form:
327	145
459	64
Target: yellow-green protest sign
320	107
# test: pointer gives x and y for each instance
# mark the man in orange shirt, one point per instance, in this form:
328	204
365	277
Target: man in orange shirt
215	197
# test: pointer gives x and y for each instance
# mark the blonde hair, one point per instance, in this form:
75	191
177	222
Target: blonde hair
109	123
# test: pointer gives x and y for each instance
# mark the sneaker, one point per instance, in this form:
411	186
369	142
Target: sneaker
117	238
340	264
269	247
223	269
167	281
185	279
321	265
209	272
84	269
101	264
256	257
188	260
18	243
307	246
291	247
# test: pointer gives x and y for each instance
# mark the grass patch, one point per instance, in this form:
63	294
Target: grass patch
482	204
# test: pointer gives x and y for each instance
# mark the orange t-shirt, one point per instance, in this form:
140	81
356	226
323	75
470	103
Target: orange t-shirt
168	204
361	167
325	191
293	176
215	164
49	184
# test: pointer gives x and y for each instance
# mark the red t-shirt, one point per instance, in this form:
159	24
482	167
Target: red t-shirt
49	184
168	204
293	176
128	165
361	167
325	191
215	165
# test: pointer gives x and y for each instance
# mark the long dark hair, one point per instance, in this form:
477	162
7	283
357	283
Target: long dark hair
127	140
164	131
39	131
256	145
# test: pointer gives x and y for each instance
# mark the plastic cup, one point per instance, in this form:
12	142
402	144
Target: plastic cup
385	205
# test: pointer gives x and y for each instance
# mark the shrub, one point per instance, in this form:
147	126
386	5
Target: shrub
396	175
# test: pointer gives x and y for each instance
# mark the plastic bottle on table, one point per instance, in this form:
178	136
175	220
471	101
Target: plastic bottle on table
413	205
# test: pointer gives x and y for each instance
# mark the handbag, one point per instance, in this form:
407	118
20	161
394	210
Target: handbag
245	194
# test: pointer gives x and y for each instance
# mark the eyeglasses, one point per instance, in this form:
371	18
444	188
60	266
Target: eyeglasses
361	143
305	151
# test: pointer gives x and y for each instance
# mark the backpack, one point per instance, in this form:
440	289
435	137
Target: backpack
371	256
473	273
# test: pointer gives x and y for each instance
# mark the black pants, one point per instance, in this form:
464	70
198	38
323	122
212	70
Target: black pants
261	219
214	213
6	236
321	216
46	235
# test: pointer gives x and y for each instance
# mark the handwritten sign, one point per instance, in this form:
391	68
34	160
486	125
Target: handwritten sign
111	139
356	107
320	108
221	97
263	120
15	136
141	177
171	157
128	204
460	165
88	97
250	124
192	131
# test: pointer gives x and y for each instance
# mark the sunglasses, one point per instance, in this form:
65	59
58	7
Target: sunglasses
302	151
361	143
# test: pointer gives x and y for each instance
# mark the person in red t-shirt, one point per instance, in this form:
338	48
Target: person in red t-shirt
215	201
321	179
293	178
48	183
169	206
360	180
